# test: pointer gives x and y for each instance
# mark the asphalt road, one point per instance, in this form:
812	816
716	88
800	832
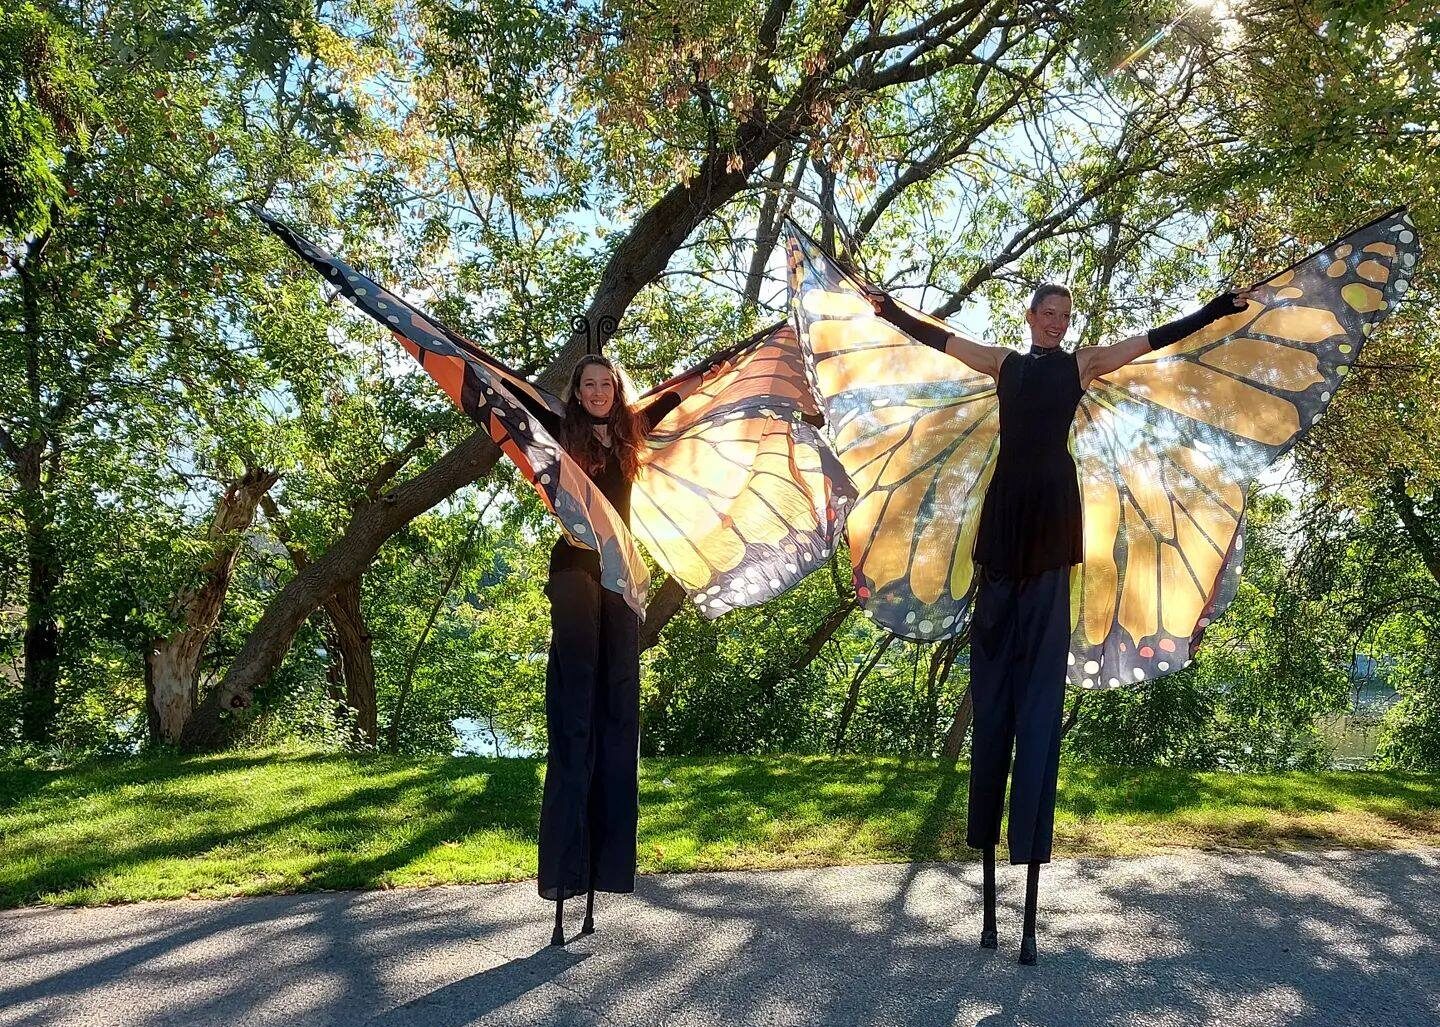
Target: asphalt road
1332	938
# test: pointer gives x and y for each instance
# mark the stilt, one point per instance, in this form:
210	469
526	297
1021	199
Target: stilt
1028	955
589	926
557	937
989	939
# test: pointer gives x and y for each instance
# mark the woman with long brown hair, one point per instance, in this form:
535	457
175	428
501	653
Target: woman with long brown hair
592	681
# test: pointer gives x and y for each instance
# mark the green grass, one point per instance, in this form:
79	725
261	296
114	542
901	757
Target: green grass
272	821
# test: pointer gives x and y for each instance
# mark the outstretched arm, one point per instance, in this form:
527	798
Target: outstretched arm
975	355
529	397
1096	361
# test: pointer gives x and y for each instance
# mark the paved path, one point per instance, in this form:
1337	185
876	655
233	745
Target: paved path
1331	938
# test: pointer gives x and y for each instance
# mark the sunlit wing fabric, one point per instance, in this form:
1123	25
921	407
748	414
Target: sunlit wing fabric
917	432
1167	446
1165	449
738	496
484	389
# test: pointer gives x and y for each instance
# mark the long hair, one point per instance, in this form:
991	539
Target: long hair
577	433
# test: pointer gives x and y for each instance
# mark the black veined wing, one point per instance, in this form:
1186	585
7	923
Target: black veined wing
1167	446
485	389
738	497
916	430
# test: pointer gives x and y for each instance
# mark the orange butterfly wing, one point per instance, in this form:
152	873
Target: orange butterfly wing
738	496
917	432
1167	447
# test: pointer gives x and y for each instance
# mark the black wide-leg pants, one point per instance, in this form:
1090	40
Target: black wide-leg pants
1019	639
592	716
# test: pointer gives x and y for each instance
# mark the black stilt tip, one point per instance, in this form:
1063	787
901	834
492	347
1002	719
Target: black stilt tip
589	926
1032	899
989	938
557	936
1028	955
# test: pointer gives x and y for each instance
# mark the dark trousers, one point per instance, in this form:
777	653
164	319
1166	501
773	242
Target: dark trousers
1019	639
592	717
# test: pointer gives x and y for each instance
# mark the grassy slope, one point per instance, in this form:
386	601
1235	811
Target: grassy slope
277	821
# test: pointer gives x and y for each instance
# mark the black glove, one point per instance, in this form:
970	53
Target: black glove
921	331
1173	331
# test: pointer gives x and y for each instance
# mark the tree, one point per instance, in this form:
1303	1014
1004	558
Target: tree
125	279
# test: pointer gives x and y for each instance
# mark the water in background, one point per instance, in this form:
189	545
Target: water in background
1355	733
476	738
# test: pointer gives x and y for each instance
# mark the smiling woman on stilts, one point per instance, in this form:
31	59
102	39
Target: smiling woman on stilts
592	680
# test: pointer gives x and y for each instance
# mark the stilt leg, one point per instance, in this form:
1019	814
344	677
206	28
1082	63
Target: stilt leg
557	937
589	927
988	936
1028	955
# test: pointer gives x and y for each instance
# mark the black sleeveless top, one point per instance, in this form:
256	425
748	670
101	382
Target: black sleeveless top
1030	521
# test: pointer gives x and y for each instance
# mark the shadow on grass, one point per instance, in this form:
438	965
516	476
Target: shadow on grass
1088	791
812	808
420	806
280	821
908	806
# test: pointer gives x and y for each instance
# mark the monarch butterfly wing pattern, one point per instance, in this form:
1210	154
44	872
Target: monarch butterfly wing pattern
1163	541
916	431
1167	447
486	390
738	496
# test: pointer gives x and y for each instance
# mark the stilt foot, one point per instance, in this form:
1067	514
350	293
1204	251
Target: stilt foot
1028	955
989	939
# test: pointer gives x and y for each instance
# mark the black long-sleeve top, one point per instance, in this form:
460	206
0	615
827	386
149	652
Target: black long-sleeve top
610	478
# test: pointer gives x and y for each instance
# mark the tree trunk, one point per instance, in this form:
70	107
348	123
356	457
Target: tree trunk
356	658
351	673
814	642
959	724
663	605
942	658
852	698
767	232
1074	715
1420	534
41	645
172	664
344	561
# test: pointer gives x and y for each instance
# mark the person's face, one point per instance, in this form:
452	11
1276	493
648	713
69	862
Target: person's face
1049	321
597	390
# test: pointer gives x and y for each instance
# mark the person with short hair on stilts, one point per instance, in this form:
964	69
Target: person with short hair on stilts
1028	540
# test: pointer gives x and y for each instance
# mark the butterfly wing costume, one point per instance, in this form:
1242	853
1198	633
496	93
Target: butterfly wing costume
737	497
1165	449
